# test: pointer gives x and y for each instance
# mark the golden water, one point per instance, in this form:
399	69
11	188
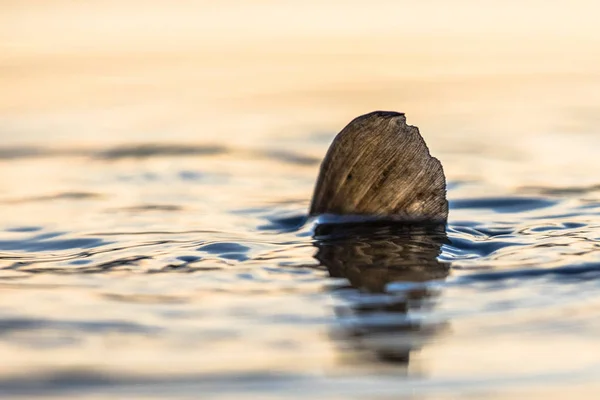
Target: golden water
157	158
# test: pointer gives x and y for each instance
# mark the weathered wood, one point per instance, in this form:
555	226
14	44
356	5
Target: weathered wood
380	166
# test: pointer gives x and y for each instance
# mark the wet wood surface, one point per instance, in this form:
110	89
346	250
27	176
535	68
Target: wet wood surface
380	166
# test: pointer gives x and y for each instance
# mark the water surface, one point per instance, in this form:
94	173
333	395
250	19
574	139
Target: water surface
157	164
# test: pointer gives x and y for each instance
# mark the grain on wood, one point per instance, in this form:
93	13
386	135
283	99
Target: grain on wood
380	166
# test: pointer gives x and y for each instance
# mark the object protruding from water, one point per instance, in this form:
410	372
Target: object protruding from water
378	166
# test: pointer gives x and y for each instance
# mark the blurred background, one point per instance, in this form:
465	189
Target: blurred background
470	74
142	139
257	71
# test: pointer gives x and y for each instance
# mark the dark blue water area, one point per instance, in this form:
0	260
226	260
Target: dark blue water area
571	273
10	325
227	250
189	259
502	204
25	229
279	218
285	223
49	241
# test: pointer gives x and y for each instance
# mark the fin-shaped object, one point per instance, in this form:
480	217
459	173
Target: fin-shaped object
379	166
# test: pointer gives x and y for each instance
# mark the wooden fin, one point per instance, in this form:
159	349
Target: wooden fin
379	166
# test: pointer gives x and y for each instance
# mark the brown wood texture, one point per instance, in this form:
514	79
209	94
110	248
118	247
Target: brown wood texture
380	166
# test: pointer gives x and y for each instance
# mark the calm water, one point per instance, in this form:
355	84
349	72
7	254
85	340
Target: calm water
156	167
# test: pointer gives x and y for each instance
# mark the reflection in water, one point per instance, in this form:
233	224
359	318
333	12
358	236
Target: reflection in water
156	157
370	256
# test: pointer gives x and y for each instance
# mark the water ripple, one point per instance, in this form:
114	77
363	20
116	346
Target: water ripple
170	259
